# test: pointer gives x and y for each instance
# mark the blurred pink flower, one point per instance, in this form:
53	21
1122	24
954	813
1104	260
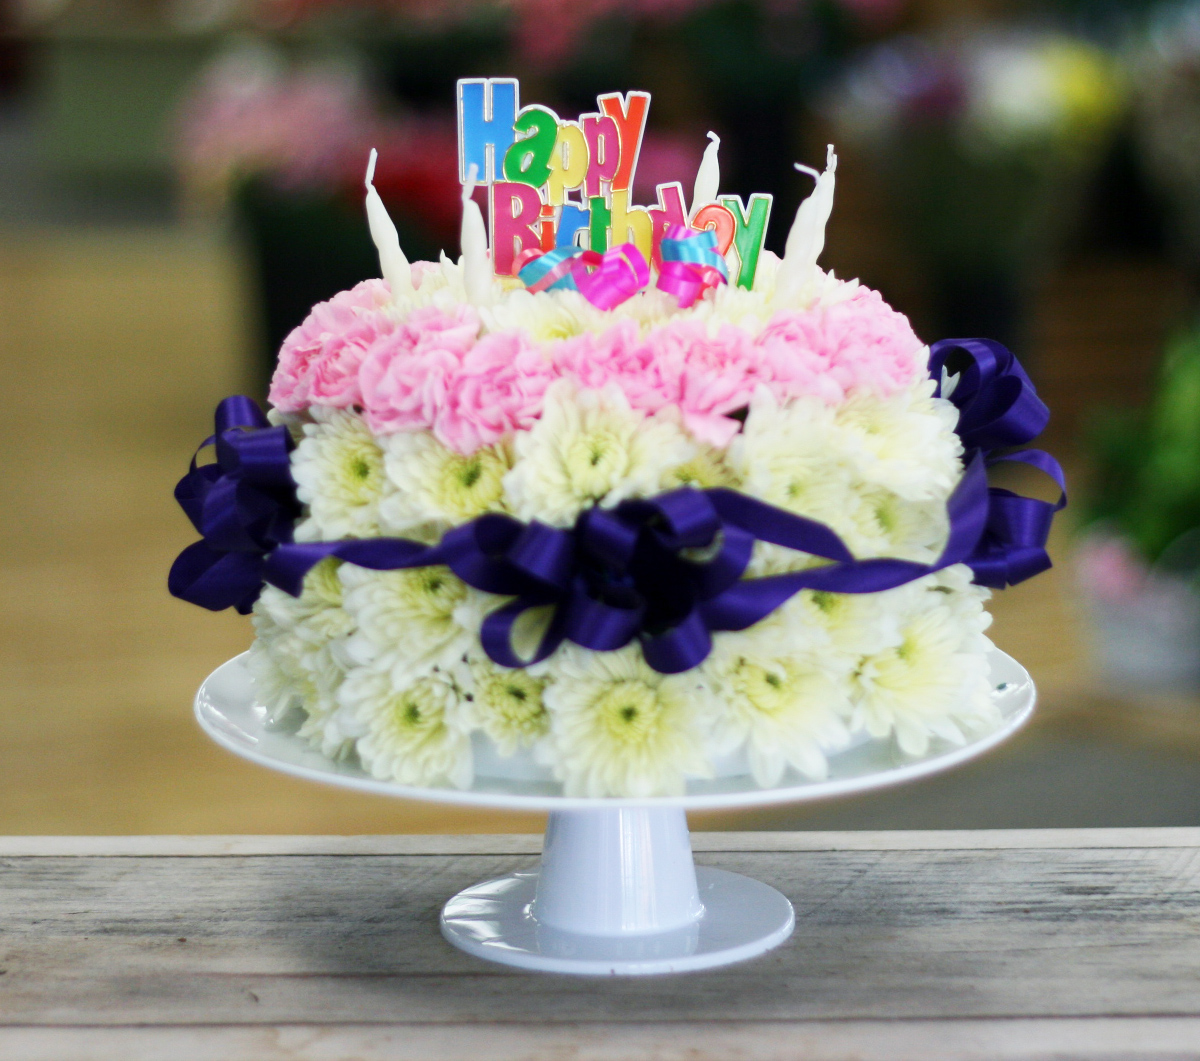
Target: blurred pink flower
246	116
1110	569
859	344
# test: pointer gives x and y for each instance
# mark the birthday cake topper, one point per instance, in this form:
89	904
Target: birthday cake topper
557	187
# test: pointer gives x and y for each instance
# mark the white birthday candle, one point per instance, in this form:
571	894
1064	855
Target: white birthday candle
477	269
708	176
806	240
392	262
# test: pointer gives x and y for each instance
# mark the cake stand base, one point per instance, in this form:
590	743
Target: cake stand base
617	894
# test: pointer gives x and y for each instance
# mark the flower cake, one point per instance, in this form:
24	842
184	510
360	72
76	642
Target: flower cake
509	528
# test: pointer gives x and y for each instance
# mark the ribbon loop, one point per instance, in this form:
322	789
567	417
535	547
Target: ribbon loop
997	402
243	506
691	264
620	274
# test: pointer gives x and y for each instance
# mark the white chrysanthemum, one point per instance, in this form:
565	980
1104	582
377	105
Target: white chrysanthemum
590	447
436	487
508	705
649	309
842	628
412	620
281	681
933	683
294	422
298	657
953	587
790	456
547	316
415	732
904	442
338	468
619	728
317	615
877	522
800	457
786	708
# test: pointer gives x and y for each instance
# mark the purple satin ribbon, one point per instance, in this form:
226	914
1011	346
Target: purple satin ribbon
244	506
624	573
996	400
666	571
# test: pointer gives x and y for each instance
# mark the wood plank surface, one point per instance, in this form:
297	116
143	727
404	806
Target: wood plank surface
1073	944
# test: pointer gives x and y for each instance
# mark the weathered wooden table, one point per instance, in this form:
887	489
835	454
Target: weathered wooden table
982	945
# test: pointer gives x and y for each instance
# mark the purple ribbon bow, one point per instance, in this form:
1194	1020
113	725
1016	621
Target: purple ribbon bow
244	506
998	407
996	400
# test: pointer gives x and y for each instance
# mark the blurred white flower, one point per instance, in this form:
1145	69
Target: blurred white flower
792	456
508	705
547	316
904	443
933	683
412	619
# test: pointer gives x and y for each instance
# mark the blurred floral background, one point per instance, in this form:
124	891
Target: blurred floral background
181	179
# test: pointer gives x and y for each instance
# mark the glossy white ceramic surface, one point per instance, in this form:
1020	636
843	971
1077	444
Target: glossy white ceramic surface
741	919
227	711
625	871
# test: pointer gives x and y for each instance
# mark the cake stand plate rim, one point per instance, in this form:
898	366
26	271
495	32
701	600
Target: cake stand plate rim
225	710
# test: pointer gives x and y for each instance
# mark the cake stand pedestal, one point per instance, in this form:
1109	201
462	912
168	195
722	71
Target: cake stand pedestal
616	892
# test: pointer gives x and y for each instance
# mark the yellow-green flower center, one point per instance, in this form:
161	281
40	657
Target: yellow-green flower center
629	711
472	485
594	461
362	471
766	689
511	705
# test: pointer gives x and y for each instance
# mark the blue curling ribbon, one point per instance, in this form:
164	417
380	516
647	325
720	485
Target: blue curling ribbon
534	273
696	248
631	572
244	506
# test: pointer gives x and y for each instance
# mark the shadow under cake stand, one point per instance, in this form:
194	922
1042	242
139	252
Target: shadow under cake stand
617	892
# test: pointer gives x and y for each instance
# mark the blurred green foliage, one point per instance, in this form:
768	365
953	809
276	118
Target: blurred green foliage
1147	462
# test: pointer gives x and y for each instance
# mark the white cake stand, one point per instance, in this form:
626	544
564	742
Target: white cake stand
616	892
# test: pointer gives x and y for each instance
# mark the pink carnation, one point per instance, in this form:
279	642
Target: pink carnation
406	376
712	376
319	360
859	344
619	356
497	389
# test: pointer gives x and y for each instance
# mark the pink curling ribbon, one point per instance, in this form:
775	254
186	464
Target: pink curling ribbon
619	274
691	264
